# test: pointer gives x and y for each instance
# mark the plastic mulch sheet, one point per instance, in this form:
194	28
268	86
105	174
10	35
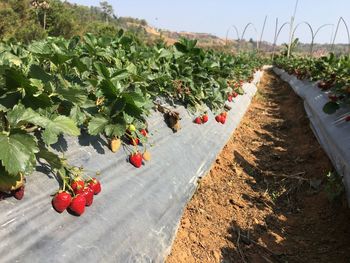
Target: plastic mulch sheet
137	214
331	131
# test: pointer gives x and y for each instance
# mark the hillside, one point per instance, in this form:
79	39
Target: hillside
27	20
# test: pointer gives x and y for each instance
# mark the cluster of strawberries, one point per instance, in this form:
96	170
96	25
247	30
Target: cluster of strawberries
221	118
231	96
134	140
136	158
80	195
201	119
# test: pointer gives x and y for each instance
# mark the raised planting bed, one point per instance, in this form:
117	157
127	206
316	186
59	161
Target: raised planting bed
331	130
135	217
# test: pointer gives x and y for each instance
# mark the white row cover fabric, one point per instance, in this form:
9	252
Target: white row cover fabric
137	214
331	130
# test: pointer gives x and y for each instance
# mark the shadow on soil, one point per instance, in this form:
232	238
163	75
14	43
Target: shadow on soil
294	220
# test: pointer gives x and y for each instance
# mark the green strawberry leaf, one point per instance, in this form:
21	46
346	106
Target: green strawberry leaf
52	158
73	94
39	73
20	114
330	107
97	125
77	115
53	127
10	59
8	100
17	152
102	70
117	129
57	126
135	98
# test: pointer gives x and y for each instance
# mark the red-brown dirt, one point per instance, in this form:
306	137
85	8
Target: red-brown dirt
266	199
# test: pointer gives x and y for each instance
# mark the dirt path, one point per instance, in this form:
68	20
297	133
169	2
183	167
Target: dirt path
265	200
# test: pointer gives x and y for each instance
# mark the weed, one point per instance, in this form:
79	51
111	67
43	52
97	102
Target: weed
334	186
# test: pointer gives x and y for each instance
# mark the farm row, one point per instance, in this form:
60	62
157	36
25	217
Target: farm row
331	72
102	86
108	86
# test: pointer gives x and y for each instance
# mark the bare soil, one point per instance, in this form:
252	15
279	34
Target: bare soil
266	199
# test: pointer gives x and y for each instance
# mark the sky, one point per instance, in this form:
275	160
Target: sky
218	16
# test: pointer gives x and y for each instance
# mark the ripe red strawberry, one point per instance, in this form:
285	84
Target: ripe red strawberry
219	118
205	118
18	193
78	185
134	141
136	159
347	118
223	120
77	206
88	193
224	114
198	120
229	98
234	94
333	97
95	185
143	132
61	201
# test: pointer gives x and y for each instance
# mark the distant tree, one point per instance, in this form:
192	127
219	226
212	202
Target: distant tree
61	20
20	7
143	22
28	20
8	21
41	6
29	31
107	10
293	47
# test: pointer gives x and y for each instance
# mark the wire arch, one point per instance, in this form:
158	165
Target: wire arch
277	33
316	32
228	31
245	29
311	31
341	19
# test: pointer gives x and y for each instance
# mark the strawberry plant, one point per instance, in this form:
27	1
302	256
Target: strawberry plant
105	86
331	72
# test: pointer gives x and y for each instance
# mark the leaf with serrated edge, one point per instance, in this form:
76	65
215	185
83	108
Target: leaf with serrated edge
57	126
17	151
115	130
97	125
19	113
